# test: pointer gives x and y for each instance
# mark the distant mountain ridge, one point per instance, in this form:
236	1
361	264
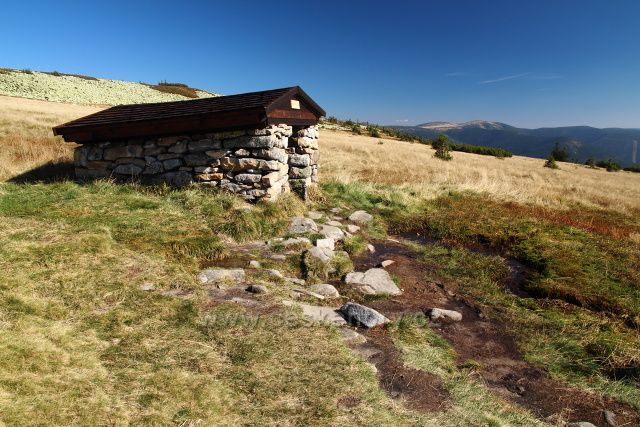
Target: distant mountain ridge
582	142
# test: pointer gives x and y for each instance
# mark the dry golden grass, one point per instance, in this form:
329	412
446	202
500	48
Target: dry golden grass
412	167
26	139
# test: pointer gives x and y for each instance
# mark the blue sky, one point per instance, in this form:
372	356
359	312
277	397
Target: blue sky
527	63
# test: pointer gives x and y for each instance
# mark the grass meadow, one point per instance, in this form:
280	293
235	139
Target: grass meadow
82	344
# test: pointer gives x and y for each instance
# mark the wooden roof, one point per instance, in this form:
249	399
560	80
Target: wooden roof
289	105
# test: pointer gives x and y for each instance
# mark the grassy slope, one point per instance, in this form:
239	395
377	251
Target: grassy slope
90	347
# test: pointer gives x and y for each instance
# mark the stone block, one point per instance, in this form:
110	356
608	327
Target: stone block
299	160
153	168
170	140
247	178
273	153
178	148
129	169
131	161
172	164
204	145
113	153
196	159
298	173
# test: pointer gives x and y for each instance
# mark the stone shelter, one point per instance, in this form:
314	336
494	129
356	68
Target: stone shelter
257	144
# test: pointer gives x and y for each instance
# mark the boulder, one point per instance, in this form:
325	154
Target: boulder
322	255
580	424
326	244
441	313
352	228
334	223
386	263
375	281
360	216
357	314
256	289
254	264
332	232
219	276
300	225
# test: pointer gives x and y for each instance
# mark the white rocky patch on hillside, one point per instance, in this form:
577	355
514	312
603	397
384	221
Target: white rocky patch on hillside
77	90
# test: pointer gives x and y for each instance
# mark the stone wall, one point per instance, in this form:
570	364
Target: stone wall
256	164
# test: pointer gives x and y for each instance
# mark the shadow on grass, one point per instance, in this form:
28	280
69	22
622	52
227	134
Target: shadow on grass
49	172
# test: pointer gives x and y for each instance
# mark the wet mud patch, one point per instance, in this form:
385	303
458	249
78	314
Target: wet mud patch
416	389
482	339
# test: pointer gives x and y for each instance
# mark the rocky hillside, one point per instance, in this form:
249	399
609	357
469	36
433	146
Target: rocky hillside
78	89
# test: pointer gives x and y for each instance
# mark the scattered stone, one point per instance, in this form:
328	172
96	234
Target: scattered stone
254	264
351	337
278	257
326	244
315	215
220	276
375	281
274	273
325	289
320	254
351	228
318	313
300	225
386	263
441	313
256	289
147	287
337	218
335	210
360	216
334	223
310	293
580	424
610	418
360	315
331	231
371	248
295	241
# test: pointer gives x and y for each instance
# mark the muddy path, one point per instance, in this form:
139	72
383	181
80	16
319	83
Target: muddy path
482	339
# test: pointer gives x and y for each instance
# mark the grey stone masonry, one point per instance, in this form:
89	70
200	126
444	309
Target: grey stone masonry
304	156
256	164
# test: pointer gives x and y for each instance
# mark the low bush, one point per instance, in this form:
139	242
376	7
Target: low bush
551	163
482	150
442	147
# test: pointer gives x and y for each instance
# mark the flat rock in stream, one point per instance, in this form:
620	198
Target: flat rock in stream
375	281
318	313
325	289
357	314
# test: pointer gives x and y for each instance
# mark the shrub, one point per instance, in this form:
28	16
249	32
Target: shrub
559	153
482	150
591	163
609	165
634	168
165	83
373	132
355	129
551	163
442	147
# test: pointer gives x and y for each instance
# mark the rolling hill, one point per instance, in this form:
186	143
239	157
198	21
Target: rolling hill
582	142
